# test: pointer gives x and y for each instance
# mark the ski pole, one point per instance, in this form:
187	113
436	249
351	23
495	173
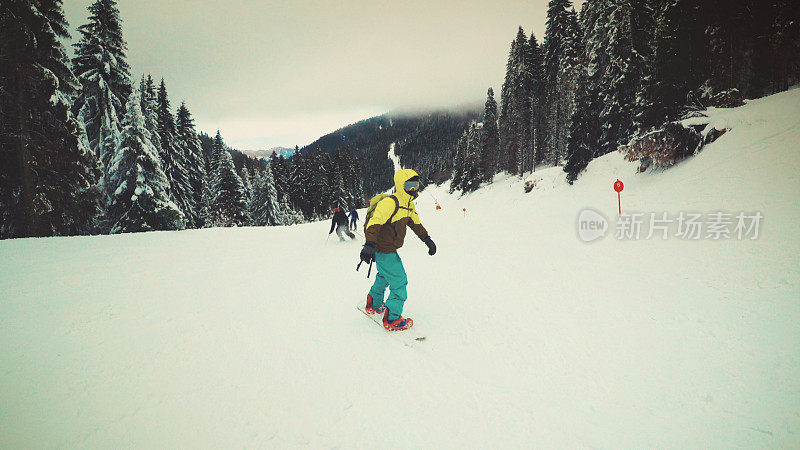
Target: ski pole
368	271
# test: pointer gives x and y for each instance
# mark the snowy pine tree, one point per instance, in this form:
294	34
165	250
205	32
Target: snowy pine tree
281	173
217	149
780	33
536	131
340	197
268	210
459	160
351	172
504	118
305	183
734	44
139	199
47	175
467	172
517	94
519	145
265	205
206	201
100	65
247	183
490	139
585	129
672	71
149	98
281	177
753	47
473	174
210	183
316	178
622	74
173	157
189	143
228	206
561	66
607	83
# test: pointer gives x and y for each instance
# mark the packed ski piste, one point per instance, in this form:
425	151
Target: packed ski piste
566	317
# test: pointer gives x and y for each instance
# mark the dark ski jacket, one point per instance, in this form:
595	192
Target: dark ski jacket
339	218
354	215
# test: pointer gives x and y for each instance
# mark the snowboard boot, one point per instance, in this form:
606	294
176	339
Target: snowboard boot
370	310
399	324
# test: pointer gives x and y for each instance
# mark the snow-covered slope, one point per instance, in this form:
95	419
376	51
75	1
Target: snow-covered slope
394	158
533	337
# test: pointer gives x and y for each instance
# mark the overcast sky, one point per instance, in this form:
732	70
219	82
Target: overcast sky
269	73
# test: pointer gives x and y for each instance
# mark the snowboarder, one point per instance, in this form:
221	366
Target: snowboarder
385	231
339	221
353	219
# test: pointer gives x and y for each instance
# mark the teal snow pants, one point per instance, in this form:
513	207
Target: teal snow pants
391	274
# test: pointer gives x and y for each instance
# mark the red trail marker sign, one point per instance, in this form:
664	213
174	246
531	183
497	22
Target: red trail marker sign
618	186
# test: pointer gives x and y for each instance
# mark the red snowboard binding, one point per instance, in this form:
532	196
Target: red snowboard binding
399	324
370	310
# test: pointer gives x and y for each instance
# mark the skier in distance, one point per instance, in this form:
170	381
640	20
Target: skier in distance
353	218
339	222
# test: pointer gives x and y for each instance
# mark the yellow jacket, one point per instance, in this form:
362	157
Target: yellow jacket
388	237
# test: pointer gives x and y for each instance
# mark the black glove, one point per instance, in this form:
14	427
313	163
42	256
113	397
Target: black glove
368	252
431	246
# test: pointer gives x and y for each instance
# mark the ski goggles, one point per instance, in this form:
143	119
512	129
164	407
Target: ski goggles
411	185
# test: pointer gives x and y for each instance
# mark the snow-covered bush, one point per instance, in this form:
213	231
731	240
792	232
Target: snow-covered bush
531	184
706	97
663	148
712	135
730	98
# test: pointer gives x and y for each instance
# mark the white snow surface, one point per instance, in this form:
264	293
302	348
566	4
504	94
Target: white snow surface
394	158
534	338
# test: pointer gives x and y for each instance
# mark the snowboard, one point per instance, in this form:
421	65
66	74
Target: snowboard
378	319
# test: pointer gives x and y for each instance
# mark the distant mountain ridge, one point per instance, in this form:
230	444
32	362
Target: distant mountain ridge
424	141
281	151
